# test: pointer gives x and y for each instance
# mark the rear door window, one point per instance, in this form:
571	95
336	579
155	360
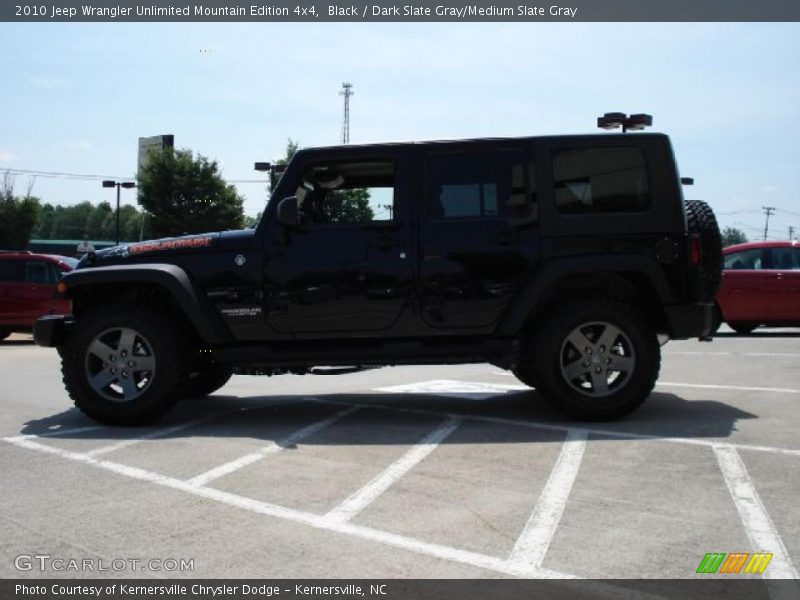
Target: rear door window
744	260
39	271
600	180
786	259
476	184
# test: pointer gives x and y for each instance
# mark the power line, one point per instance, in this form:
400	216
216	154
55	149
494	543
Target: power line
92	177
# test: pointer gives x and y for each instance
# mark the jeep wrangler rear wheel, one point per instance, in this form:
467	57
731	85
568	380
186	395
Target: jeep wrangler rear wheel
596	360
121	365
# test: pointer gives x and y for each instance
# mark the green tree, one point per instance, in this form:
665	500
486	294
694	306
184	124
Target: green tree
69	222
96	220
184	194
44	225
732	235
18	216
347	206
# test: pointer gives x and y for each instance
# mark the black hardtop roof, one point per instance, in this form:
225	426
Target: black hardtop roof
490	140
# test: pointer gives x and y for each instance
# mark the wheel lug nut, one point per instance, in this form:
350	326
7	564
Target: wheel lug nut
124	353
608	361
131	364
113	370
588	350
597	370
111	357
586	364
124	373
602	349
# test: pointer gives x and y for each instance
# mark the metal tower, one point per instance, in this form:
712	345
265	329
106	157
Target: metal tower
347	91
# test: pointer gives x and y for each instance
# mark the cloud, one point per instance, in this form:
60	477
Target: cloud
7	155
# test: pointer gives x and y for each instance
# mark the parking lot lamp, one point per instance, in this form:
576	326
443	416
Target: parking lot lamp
108	183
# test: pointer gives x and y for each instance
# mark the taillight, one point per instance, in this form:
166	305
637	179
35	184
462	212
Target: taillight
695	251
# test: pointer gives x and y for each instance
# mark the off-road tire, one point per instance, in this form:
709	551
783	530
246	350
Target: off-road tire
524	367
628	391
700	220
157	397
206	381
743	328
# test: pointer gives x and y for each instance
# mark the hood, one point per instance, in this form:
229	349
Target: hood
147	250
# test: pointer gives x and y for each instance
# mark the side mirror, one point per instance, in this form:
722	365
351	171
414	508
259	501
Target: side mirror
287	212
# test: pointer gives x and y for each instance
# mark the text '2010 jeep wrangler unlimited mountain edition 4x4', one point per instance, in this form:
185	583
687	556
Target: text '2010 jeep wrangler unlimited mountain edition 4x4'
564	259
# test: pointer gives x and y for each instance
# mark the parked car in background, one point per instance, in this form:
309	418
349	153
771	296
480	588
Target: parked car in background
760	286
27	284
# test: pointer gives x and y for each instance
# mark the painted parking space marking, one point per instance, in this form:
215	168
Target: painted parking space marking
253	457
466	390
383	481
533	543
448	553
160	433
565	428
758	525
58	432
748	354
738	388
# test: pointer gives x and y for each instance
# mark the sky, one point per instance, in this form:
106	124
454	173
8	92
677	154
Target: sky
76	97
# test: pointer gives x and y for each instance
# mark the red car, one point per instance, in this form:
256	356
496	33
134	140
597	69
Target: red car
27	283
760	285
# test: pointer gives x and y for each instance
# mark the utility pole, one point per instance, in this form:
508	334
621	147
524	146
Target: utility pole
768	210
347	91
791	233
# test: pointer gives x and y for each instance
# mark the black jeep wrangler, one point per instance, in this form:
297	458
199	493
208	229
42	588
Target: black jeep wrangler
567	260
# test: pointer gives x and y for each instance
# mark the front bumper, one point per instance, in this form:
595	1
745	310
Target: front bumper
689	320
50	331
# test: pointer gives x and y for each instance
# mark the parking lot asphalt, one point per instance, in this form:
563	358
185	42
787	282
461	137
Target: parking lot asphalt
413	472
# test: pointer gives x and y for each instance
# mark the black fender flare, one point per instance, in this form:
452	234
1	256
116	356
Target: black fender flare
532	292
173	279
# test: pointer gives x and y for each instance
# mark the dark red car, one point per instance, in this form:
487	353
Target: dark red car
760	285
27	283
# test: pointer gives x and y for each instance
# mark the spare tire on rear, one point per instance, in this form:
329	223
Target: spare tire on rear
701	221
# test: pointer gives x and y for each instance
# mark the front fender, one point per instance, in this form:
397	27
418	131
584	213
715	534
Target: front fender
173	279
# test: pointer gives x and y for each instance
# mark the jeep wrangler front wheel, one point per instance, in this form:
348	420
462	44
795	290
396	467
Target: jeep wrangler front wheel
596	360
121	365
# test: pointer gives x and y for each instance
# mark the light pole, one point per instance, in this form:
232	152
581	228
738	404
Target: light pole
108	183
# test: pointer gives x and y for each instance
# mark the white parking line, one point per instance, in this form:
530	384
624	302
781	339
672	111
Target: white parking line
757	524
57	432
249	459
467	390
750	354
531	546
475	559
701	385
708	386
564	428
163	432
380	483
